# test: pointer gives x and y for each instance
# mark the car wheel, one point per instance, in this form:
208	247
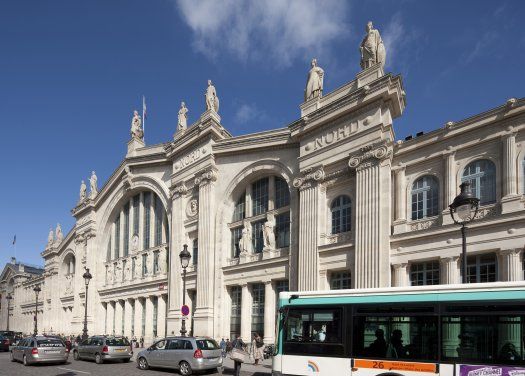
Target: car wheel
143	363
25	361
185	368
98	358
76	355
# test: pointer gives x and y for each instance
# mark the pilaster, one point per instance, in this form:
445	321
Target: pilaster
110	317
148	336
510	265
139	311
269	312
400	219
400	277
118	317
449	270
161	316
246	315
450	188
128	308
511	200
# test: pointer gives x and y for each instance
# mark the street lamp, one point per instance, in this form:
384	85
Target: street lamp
37	290
87	277
461	211
185	257
8	297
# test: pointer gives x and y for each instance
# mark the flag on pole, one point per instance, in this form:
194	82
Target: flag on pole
144	114
14	240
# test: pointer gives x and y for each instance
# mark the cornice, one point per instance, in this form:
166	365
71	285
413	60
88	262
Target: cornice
261	140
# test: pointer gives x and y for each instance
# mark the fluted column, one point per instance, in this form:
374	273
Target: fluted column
148	336
308	258
118	317
449	270
511	265
203	319
509	165
372	213
110	316
139	311
161	316
269	312
400	203
246	313
400	275
128	308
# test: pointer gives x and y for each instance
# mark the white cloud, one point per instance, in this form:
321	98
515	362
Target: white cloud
393	34
248	112
402	45
276	29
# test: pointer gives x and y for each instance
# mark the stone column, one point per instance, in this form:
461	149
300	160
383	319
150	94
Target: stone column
118	317
308	257
203	319
131	220
246	313
141	222
148	336
121	240
139	311
400	214
269	312
372	213
128	308
161	316
400	278
449	270
509	165
510	265
226	312
450	185
110	316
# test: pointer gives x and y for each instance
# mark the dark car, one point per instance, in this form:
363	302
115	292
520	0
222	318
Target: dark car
10	335
4	343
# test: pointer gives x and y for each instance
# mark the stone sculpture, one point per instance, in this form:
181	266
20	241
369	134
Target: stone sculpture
372	48
244	241
212	100
183	117
83	191
93	185
314	84
69	284
58	234
136	126
50	237
269	234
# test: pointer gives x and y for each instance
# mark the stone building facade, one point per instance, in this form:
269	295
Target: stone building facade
329	201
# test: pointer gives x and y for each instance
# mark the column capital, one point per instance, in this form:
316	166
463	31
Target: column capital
400	265
449	259
510	251
178	190
268	282
309	178
374	152
205	177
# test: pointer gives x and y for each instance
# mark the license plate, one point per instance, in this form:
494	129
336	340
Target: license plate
120	350
53	352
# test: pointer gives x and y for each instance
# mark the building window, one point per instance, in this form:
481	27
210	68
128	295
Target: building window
235	321
260	196
136	217
108	252
282	194
481	175
481	268
425	197
159	211
257	236
117	237
340	280
239	212
424	273
156	262
195	251
236	236
282	230
144	265
155	314
147	219
258	309
126	229
341	209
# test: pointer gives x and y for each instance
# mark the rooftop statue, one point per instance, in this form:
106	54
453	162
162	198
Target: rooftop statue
58	234
314	84
136	126
93	184
212	100
183	117
372	48
50	237
83	190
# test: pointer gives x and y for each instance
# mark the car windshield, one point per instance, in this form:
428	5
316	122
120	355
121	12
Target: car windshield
207	344
50	342
117	342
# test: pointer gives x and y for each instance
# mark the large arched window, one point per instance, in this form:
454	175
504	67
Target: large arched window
69	264
264	200
481	175
425	197
341	210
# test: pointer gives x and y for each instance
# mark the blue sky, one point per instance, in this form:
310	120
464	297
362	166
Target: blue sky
71	73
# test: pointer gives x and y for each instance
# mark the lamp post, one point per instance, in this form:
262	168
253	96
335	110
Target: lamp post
87	277
461	211
185	257
8	297
37	290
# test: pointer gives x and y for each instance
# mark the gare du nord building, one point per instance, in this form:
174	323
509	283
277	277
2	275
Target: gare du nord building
329	201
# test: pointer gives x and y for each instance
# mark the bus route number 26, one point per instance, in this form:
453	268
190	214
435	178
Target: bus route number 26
379	365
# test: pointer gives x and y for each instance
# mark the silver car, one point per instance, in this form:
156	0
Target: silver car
40	349
187	354
102	348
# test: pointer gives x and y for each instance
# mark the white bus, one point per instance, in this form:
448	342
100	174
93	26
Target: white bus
454	330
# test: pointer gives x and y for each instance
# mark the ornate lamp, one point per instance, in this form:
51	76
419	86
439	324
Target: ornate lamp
185	257
87	277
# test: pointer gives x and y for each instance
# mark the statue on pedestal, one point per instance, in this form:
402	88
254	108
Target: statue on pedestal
93	185
183	117
245	240
83	191
51	237
136	126
212	100
269	234
314	84
372	48
58	234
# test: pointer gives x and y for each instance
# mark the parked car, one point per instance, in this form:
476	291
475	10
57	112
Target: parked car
102	348
186	354
40	349
9	335
4	343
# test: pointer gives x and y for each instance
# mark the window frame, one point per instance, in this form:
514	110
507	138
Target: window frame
476	181
430	187
341	214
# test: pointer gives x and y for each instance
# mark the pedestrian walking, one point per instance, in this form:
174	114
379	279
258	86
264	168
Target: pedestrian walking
257	350
238	344
141	341
223	347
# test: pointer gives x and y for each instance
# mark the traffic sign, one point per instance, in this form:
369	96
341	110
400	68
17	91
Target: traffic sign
185	310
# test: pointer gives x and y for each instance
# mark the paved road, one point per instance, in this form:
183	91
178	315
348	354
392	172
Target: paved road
86	368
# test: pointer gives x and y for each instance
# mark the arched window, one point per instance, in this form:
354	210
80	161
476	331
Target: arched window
341	209
425	197
481	175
